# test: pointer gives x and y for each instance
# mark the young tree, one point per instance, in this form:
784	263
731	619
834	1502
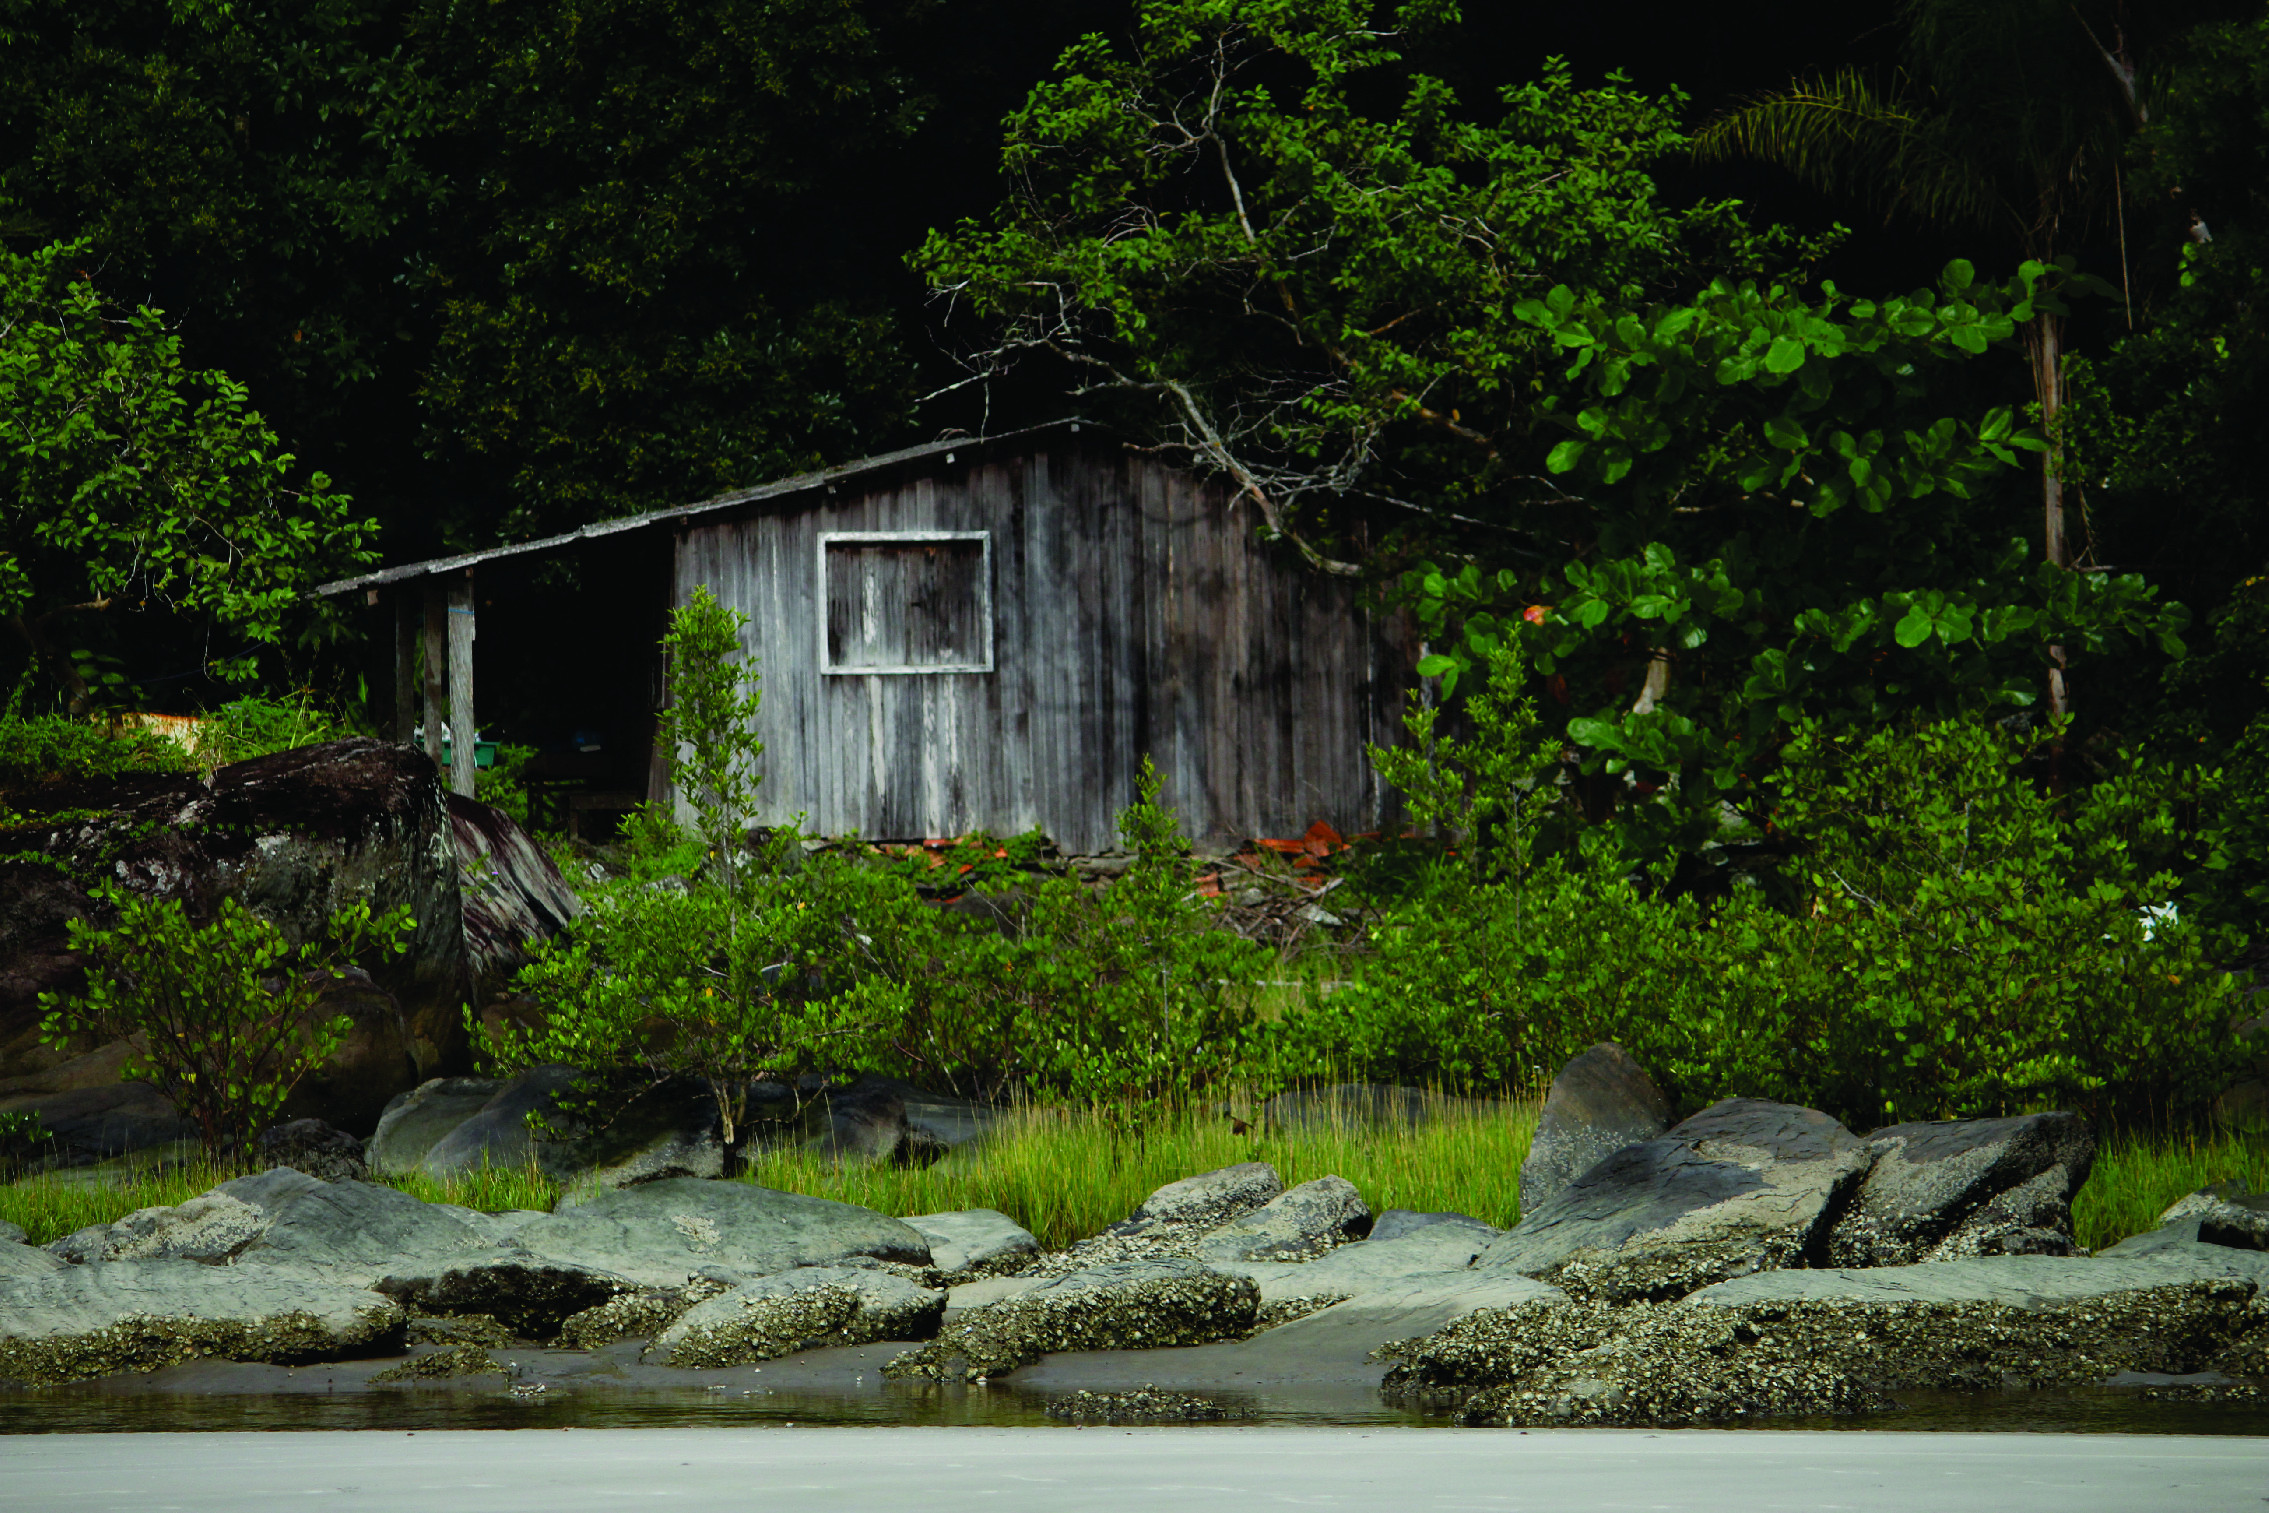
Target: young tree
129	482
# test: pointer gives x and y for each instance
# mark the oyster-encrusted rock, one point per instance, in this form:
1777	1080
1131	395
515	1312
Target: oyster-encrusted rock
1947	1189
1819	1342
449	1362
1303	1221
1207	1200
799	1310
81	1322
1745	1185
1138	1305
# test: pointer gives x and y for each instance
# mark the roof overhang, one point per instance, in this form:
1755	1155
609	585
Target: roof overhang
781	489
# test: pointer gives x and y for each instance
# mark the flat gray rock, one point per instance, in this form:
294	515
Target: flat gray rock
415	1121
1134	1305
2019	1281
660	1233
358	1232
973	1243
1369	1265
20	1260
82	1322
1601	1101
809	1308
1397	1222
1301	1222
11	1234
1207	1200
1942	1190
1745	1185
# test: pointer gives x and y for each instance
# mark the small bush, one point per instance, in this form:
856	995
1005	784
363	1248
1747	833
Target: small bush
257	726
226	1011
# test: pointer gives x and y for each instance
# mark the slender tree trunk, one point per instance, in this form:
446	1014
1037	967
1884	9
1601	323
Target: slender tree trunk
2044	342
58	666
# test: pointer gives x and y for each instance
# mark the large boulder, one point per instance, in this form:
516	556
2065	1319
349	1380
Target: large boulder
1432	1254
82	1322
1301	1222
295	836
803	1309
1966	1187
1138	1305
498	1133
1745	1185
415	1121
515	899
1600	1102
90	1124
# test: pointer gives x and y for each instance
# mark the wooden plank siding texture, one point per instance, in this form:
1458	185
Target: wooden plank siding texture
1133	611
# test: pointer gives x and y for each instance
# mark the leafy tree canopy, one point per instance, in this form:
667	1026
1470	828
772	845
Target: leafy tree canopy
1703	501
129	482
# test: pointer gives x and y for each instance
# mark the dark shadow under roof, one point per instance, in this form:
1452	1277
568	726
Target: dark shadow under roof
780	489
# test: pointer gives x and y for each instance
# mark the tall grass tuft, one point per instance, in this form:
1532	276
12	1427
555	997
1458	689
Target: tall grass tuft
2137	1177
1064	1173
49	1207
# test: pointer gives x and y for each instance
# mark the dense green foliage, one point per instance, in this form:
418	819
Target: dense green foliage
227	1013
130	482
1945	941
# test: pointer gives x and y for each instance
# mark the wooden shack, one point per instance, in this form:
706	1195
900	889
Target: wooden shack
992	634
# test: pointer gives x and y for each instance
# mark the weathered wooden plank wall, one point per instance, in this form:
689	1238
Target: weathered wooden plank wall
1133	611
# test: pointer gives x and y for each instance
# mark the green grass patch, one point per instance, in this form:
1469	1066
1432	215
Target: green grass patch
2137	1178
1064	1174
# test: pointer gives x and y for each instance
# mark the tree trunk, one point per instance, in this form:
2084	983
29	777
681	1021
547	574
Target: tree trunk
2044	342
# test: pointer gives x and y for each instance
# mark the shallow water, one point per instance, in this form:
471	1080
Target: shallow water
122	1408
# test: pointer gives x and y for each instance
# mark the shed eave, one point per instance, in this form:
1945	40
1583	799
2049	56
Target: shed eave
736	499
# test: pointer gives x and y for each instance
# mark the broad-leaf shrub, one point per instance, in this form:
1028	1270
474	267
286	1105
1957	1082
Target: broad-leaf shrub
1958	942
1130	994
226	1012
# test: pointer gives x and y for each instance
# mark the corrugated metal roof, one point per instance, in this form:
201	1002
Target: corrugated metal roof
779	489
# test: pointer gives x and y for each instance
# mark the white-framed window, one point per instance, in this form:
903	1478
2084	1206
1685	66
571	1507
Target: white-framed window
905	602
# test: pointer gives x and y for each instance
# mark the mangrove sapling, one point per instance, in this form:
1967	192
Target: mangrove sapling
764	965
226	1015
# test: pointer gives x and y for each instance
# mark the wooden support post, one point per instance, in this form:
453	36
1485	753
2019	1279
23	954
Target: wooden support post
405	667
436	665
461	728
